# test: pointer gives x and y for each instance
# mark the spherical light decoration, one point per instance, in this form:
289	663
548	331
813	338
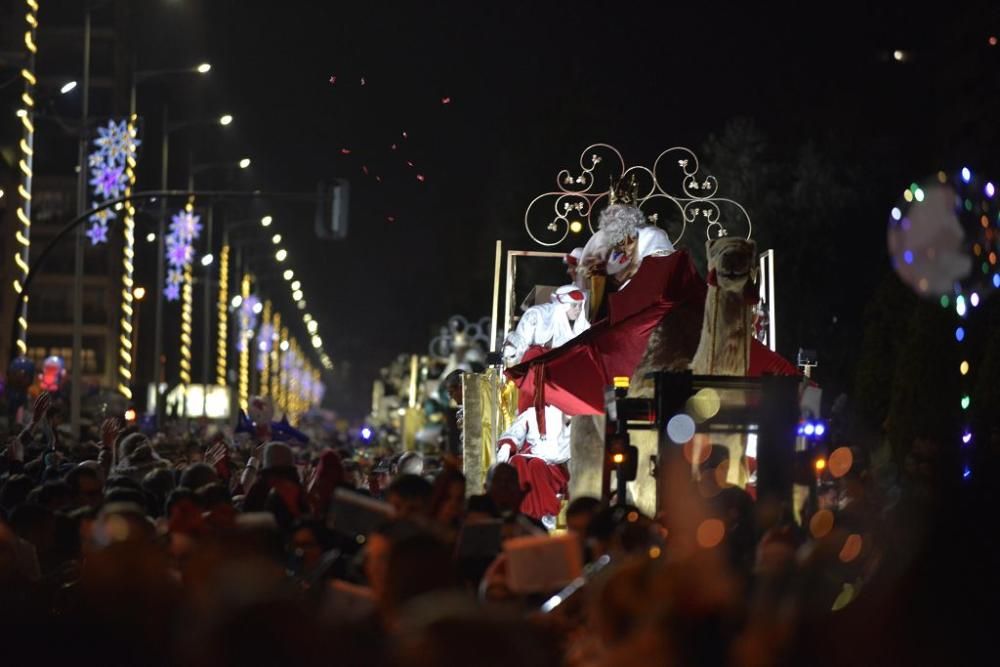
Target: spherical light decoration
940	230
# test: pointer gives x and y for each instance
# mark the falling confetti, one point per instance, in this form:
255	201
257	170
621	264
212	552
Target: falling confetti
362	81
378	179
345	151
364	169
390	218
409	163
333	79
393	147
420	177
445	100
405	136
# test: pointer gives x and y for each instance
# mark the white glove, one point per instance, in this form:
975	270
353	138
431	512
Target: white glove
503	454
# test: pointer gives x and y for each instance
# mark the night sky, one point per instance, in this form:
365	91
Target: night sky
531	85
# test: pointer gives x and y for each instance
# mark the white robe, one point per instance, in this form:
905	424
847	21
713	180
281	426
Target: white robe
546	325
652	242
523	436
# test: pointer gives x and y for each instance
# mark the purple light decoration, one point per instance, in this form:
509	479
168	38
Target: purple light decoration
175	277
98	233
959	334
114	147
966	438
966	174
185	226
172	292
179	253
908	257
990	190
108	181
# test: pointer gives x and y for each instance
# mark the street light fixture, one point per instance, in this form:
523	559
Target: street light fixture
68	86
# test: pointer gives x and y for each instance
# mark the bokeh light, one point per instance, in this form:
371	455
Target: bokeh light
851	549
840	461
941	240
710	533
680	428
704	405
821	524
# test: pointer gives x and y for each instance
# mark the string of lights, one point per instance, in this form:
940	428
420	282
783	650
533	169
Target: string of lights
273	353
222	346
128	266
264	343
26	164
298	296
243	389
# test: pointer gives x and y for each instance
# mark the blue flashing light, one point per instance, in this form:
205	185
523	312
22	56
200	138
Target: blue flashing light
366	433
820	430
996	280
908	257
810	428
966	174
959	334
967	473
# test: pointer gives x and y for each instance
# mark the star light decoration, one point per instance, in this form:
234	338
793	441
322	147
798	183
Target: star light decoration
185	228
115	145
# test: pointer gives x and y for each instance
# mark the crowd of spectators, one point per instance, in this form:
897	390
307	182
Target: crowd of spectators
134	549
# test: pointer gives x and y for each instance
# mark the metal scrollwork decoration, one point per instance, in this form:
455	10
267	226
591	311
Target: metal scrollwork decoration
579	196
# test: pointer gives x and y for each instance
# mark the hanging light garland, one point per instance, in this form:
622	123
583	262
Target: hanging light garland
26	165
125	351
264	350
222	347
944	241
248	306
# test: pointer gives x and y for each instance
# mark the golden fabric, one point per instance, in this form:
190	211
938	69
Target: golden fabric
489	408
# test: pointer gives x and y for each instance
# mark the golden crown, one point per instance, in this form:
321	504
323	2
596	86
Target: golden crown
624	191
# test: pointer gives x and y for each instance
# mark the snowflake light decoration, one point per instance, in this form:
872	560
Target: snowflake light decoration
108	181
98	233
172	292
248	321
179	253
115	145
185	226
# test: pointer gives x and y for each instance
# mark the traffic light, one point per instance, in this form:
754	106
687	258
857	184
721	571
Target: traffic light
332	209
623	457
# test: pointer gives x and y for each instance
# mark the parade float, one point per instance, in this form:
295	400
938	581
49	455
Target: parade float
635	359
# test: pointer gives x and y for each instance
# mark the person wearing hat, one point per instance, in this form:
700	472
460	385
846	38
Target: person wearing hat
623	239
572	262
278	489
547	325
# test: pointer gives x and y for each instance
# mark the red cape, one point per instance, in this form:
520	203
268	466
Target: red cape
575	375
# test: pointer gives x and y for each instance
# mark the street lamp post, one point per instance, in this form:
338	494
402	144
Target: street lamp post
76	372
160	362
